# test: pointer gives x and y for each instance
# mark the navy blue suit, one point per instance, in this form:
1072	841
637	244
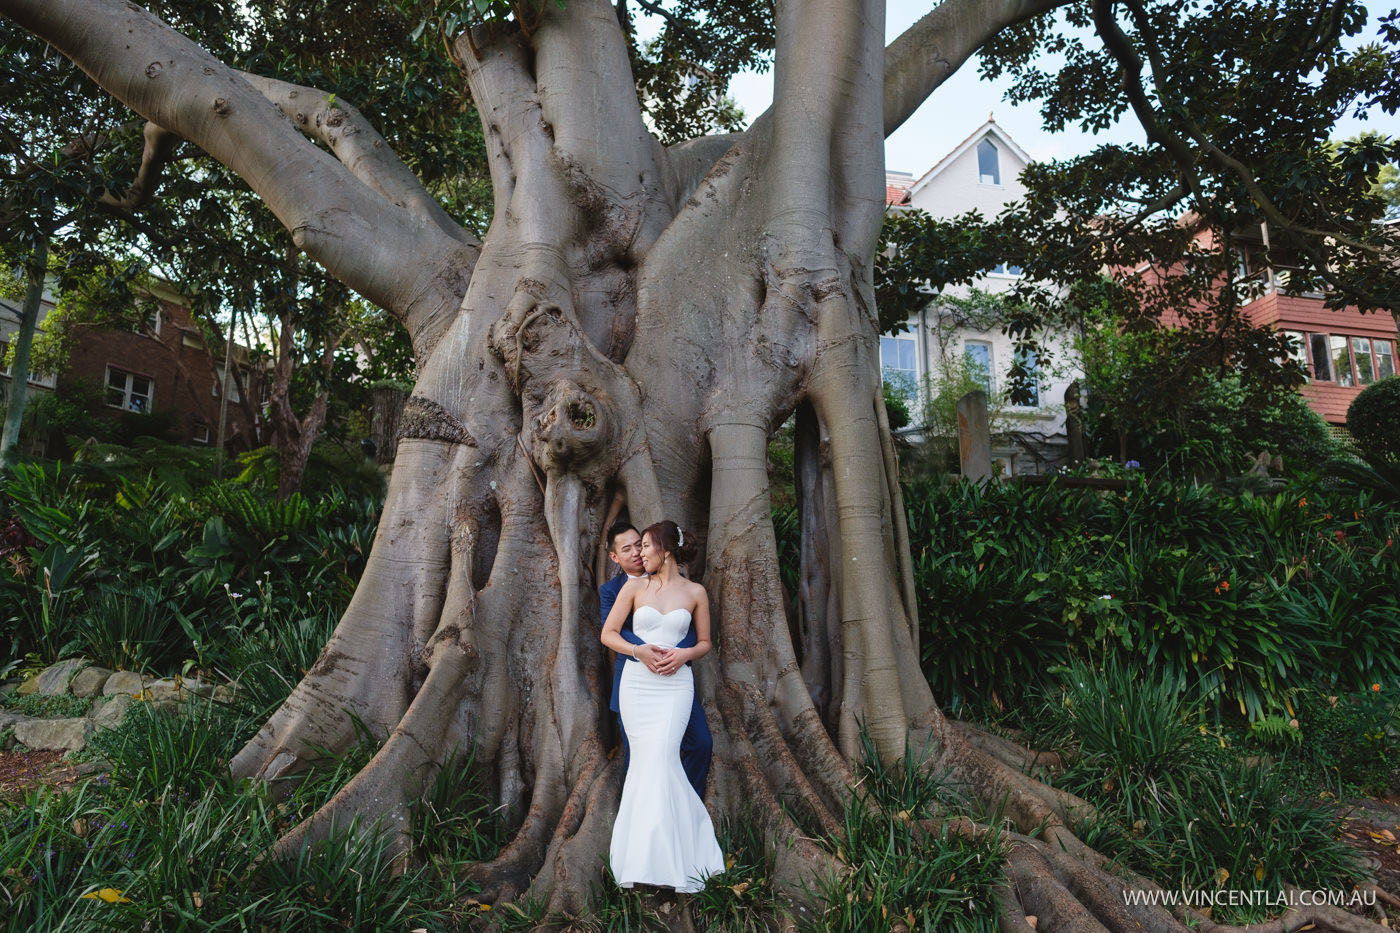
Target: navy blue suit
696	744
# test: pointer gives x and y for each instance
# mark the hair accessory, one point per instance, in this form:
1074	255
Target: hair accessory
680	536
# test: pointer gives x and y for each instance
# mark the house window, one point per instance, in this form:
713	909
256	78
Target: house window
1297	350
153	322
899	364
128	391
231	380
988	165
1002	268
200	434
1341	361
1361	352
1026	361
1321	357
1385	359
978	355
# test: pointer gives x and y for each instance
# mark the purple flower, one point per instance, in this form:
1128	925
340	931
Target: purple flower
1132	465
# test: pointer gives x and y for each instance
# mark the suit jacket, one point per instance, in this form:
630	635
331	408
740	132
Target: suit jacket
607	595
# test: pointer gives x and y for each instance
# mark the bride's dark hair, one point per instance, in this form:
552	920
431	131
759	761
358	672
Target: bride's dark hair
669	537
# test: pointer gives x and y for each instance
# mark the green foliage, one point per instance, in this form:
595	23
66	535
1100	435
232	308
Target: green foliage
896	869
35	704
1373	418
1350	743
1164	398
187	847
139	560
1176	804
1242	598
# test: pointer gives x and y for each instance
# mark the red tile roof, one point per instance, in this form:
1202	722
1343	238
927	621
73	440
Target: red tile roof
896	195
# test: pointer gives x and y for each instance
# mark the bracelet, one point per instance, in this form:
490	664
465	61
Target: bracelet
634	652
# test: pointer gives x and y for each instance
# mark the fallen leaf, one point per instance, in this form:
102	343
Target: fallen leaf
1384	835
110	895
1032	921
739	888
198	900
1221	876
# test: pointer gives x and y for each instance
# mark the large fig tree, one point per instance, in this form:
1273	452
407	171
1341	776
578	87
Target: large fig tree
638	319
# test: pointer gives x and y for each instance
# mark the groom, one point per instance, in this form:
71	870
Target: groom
625	549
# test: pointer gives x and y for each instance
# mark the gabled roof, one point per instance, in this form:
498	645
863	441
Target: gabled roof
990	128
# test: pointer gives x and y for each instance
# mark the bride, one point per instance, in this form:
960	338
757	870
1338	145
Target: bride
663	835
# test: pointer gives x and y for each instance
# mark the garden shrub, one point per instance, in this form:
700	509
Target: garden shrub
1350	742
136	560
1243	598
1373	418
1177	804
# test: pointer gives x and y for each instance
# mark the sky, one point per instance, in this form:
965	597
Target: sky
964	102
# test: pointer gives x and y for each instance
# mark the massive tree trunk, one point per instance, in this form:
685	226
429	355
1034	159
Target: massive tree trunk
638	319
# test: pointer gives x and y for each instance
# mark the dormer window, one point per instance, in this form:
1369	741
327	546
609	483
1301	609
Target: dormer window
988	163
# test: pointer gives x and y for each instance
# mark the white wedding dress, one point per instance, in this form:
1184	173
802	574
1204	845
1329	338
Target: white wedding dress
663	835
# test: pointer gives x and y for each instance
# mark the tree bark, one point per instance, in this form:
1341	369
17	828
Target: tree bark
638	319
36	272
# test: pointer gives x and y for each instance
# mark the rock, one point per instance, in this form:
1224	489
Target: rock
88	681
198	687
53	681
128	682
108	712
223	694
8	719
167	688
67	735
28	687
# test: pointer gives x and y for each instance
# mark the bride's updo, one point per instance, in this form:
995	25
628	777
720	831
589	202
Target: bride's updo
671	538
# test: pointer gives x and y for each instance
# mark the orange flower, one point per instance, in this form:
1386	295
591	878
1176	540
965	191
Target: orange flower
1302	503
1375	688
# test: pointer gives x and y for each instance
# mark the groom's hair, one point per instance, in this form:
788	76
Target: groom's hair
618	528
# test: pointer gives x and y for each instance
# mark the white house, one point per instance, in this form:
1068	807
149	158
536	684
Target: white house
983	174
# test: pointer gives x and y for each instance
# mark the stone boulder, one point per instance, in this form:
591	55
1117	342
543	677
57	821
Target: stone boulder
53	681
67	735
108	712
167	688
89	681
128	682
28	687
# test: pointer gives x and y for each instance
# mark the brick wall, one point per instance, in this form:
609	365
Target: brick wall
179	366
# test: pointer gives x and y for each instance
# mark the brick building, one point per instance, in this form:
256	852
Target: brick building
166	369
1342	351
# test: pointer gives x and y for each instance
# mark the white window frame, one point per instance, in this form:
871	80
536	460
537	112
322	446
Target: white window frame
982	178
235	396
991	383
914	374
200	434
127	391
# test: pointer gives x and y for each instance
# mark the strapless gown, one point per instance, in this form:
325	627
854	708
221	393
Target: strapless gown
663	835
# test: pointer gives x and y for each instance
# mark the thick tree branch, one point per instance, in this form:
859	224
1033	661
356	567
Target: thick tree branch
155	154
358	146
933	48
396	259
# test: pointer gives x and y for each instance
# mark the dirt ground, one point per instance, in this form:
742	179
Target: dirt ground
21	771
